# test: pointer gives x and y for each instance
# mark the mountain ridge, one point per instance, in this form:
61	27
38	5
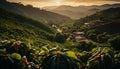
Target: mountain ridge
79	11
34	13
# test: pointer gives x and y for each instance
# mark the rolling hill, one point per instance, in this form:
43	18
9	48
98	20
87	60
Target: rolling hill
105	21
79	11
34	13
14	26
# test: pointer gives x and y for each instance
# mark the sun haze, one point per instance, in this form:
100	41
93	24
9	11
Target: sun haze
43	3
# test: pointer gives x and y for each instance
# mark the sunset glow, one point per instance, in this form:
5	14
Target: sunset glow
43	3
57	2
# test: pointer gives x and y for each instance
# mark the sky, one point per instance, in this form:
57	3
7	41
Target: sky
43	3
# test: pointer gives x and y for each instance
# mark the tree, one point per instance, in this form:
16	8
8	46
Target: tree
85	46
115	42
103	37
59	37
92	34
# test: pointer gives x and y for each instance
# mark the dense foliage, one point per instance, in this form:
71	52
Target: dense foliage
22	28
21	55
29	44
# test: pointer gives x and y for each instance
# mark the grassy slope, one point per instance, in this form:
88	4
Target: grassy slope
19	27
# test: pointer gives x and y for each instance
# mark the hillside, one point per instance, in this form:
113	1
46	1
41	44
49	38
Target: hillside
34	13
79	11
104	21
92	42
14	26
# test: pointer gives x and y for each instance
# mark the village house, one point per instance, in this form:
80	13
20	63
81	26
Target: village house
79	36
89	24
54	26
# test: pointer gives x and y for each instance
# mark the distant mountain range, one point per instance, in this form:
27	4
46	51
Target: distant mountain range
34	13
79	11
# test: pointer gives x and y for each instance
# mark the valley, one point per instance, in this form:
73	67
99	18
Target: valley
62	37
79	11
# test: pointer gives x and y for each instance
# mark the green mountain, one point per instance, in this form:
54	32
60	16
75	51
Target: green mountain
34	13
104	21
14	26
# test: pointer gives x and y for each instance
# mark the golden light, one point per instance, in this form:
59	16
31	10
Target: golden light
57	2
43	3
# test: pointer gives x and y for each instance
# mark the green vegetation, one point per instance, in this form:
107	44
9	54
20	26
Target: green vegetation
29	44
101	21
115	42
84	46
22	55
59	37
16	56
59	61
101	26
14	26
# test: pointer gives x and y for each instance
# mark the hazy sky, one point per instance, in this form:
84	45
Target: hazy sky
42	3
